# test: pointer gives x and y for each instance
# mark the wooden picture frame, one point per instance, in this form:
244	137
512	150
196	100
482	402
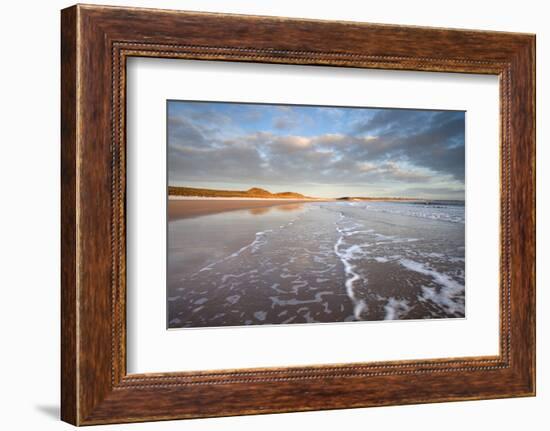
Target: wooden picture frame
95	43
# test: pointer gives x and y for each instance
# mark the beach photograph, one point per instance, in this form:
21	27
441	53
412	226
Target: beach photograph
300	214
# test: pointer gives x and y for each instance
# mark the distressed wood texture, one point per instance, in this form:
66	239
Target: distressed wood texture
96	41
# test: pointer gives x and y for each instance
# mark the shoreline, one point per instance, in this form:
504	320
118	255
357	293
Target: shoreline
308	199
182	207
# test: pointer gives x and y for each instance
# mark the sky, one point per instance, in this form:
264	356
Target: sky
319	151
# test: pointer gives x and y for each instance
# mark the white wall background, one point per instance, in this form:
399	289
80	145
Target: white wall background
29	227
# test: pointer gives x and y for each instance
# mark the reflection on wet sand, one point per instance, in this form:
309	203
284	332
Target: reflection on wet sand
259	211
285	207
187	208
290	207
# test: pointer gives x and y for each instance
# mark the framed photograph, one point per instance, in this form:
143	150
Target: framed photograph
331	214
239	254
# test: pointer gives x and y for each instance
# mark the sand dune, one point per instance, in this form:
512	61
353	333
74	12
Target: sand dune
254	192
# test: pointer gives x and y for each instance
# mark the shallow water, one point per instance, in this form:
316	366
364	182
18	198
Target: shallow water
317	262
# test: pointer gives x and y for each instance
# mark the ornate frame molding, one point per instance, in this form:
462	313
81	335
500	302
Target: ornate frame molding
96	41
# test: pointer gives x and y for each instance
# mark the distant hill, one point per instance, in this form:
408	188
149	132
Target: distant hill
254	192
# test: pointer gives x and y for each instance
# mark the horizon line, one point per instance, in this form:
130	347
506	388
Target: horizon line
316	197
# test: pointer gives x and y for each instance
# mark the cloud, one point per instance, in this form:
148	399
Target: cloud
285	123
388	119
293	142
183	131
398	151
430	139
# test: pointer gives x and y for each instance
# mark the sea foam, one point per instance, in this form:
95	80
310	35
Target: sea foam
450	288
346	255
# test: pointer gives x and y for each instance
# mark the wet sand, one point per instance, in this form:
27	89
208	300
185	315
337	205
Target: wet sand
187	208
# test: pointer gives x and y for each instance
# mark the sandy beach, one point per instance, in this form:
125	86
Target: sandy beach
193	207
312	262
